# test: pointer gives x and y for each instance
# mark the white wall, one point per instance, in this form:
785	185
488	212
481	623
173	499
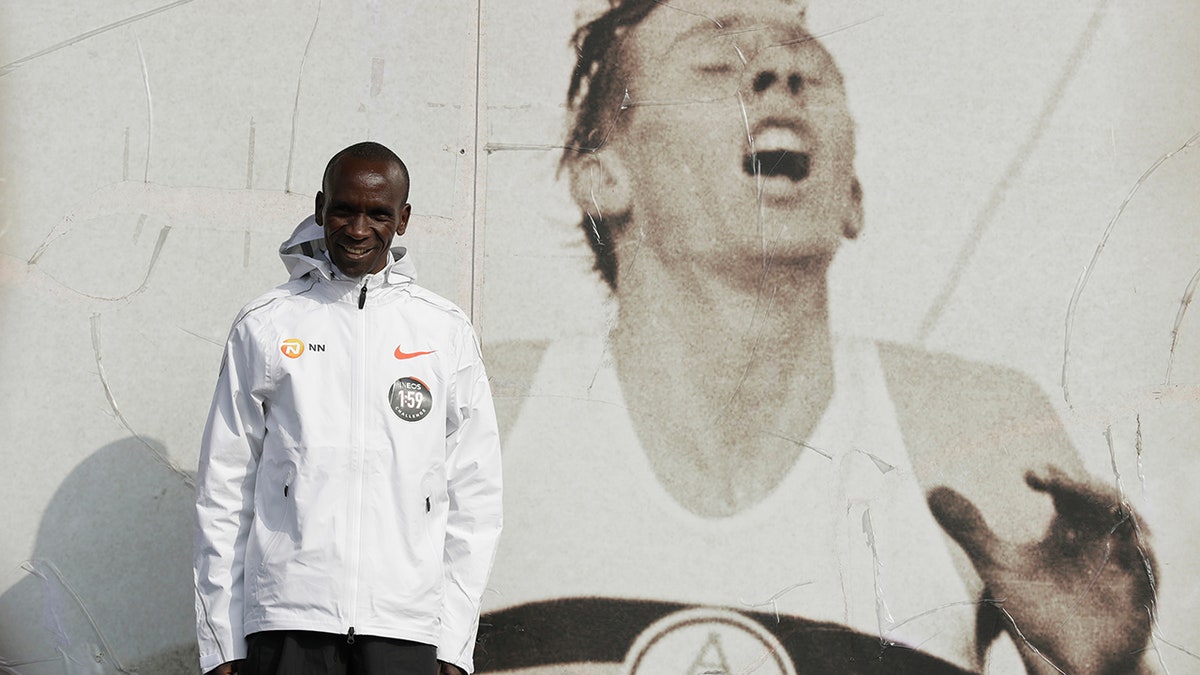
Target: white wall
152	161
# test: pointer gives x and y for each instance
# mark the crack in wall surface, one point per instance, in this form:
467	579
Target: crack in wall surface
112	402
11	66
149	109
150	267
1184	302
287	186
78	654
1072	306
773	601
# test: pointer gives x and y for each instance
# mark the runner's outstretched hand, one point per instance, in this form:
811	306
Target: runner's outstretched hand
1080	600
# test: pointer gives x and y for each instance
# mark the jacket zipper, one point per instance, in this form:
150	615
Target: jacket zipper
358	434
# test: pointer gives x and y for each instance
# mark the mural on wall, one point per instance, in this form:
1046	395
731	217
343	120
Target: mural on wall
825	336
726	470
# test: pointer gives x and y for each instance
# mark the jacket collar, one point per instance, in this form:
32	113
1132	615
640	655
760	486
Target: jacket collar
303	253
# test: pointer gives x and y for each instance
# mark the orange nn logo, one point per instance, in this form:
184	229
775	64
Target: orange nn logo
408	355
292	348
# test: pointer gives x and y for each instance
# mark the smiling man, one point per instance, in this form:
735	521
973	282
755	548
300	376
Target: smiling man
723	485
348	497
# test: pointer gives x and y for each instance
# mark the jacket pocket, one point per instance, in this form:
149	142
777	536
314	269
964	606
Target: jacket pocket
282	526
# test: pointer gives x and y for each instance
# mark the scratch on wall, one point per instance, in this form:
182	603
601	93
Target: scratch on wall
1184	302
137	229
832	31
158	247
1137	446
1087	270
249	186
149	110
250	158
782	437
882	614
53	236
125	159
287	187
706	17
490	148
78	653
756	336
773	601
1143	547
112	402
377	65
207	339
10	67
1025	640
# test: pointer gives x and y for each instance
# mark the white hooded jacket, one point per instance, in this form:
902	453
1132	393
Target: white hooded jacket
349	477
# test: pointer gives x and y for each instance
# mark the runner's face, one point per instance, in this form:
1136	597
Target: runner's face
740	144
362	209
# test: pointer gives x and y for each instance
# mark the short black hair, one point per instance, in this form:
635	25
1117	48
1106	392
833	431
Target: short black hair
369	150
596	98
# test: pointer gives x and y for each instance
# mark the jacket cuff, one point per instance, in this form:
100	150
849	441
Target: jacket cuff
233	651
452	650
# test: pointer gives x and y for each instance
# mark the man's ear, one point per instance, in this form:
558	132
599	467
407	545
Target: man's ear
318	207
600	184
405	214
852	224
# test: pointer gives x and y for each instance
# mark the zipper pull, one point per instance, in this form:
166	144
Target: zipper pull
362	297
427	507
350	636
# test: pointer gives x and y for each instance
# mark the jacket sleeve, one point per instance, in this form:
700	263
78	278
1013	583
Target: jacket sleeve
229	453
475	517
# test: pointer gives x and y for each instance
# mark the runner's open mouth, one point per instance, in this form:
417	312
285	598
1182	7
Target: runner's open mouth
777	163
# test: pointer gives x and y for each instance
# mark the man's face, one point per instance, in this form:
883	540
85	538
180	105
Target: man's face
362	208
740	144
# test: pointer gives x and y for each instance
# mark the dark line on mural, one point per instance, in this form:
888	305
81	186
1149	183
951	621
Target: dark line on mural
986	216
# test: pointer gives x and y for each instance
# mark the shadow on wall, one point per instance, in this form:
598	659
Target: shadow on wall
109	587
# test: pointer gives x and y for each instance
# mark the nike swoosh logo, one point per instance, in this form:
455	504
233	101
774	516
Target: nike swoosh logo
408	355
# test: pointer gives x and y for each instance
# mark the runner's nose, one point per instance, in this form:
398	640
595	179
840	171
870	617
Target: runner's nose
766	79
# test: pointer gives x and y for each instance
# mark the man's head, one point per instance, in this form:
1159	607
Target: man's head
720	128
362	205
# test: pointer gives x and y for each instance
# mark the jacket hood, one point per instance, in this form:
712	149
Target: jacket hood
304	253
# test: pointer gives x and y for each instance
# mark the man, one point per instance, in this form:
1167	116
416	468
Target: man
348	496
723	485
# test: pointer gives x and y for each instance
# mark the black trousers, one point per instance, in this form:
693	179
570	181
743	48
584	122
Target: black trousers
306	653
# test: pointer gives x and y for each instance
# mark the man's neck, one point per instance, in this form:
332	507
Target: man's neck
337	272
726	375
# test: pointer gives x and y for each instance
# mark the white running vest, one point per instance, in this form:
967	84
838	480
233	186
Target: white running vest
846	538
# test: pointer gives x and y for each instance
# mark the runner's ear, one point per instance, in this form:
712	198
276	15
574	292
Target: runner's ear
600	184
852	222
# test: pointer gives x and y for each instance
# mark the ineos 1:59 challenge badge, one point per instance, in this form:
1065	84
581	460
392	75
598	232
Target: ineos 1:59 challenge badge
410	399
